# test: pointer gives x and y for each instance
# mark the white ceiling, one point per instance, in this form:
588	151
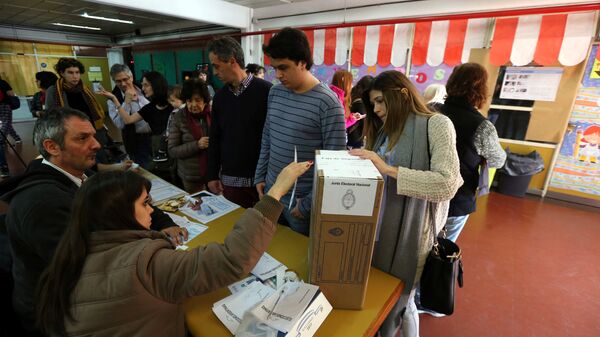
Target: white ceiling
263	3
179	17
40	14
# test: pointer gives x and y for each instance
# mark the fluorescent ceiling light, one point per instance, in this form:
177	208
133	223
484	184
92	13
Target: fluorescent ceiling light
75	26
86	15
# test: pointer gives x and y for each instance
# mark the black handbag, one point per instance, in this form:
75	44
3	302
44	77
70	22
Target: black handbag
443	268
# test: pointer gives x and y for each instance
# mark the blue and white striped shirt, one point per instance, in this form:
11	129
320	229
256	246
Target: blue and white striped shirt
312	120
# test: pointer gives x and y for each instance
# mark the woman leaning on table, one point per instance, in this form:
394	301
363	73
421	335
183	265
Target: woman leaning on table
188	135
414	149
112	276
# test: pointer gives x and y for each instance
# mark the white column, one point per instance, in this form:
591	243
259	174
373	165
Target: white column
114	56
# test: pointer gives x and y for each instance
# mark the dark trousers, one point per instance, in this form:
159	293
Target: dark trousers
137	145
243	196
6	115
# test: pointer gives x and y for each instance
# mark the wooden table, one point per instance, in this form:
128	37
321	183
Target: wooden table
291	248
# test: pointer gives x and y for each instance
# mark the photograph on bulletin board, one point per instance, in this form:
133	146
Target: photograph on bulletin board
591	77
577	166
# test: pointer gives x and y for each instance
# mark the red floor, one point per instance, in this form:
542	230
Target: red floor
530	267
530	270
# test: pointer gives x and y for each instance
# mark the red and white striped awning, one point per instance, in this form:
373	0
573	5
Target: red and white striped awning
562	37
543	39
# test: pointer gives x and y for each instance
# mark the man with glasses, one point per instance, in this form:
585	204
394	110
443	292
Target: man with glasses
137	136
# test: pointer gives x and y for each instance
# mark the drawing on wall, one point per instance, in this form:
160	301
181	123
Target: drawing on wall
421	76
577	166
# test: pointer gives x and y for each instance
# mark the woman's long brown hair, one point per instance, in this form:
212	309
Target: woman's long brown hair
401	98
343	80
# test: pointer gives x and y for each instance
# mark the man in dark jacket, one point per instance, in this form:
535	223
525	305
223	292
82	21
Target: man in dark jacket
238	116
40	201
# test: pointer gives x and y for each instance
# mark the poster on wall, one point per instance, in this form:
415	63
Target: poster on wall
95	73
420	76
591	78
531	83
577	166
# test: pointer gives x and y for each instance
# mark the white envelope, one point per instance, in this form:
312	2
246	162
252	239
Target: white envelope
231	309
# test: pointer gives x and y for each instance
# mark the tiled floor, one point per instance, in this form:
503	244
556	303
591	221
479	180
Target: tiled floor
530	267
530	270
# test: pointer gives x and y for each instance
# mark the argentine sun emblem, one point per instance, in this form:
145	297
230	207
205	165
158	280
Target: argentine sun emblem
348	200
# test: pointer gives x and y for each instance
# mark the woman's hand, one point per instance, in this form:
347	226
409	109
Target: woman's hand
177	235
381	166
358	116
203	143
287	177
130	95
108	95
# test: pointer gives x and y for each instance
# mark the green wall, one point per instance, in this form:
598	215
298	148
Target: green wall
142	62
164	63
172	63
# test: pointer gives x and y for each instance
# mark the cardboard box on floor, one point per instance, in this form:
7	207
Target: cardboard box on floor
346	200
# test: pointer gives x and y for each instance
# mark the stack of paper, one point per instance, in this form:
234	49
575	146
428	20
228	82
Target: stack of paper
231	309
267	302
161	190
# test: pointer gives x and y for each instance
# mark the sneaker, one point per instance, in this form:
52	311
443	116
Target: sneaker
430	312
4	172
160	157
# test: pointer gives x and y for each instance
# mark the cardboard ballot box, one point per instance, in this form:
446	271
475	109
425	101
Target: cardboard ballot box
347	194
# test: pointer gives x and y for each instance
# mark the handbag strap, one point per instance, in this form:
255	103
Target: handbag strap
430	205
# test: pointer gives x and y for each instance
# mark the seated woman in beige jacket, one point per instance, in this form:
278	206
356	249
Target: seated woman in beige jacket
111	276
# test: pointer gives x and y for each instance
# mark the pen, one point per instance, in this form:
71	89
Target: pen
295	182
275	305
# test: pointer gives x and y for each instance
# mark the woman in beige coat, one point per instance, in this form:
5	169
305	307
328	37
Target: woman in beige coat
111	276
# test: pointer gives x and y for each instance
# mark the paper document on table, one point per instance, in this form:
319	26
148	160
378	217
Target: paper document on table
282	309
241	285
161	190
267	267
231	309
207	206
194	229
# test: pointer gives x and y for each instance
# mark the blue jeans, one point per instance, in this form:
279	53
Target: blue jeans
301	226
455	225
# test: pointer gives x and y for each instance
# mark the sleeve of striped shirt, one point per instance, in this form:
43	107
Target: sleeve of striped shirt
265	147
333	130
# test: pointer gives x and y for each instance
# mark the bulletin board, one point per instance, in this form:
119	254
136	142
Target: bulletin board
577	168
548	119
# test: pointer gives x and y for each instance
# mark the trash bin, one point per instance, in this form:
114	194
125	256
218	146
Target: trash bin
514	177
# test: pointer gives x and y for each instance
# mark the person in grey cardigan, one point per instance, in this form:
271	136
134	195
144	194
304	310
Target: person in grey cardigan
188	135
414	149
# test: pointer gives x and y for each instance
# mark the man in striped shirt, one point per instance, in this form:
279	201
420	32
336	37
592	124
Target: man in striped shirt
303	115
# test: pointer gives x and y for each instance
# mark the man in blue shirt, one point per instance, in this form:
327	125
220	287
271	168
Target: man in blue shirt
303	115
